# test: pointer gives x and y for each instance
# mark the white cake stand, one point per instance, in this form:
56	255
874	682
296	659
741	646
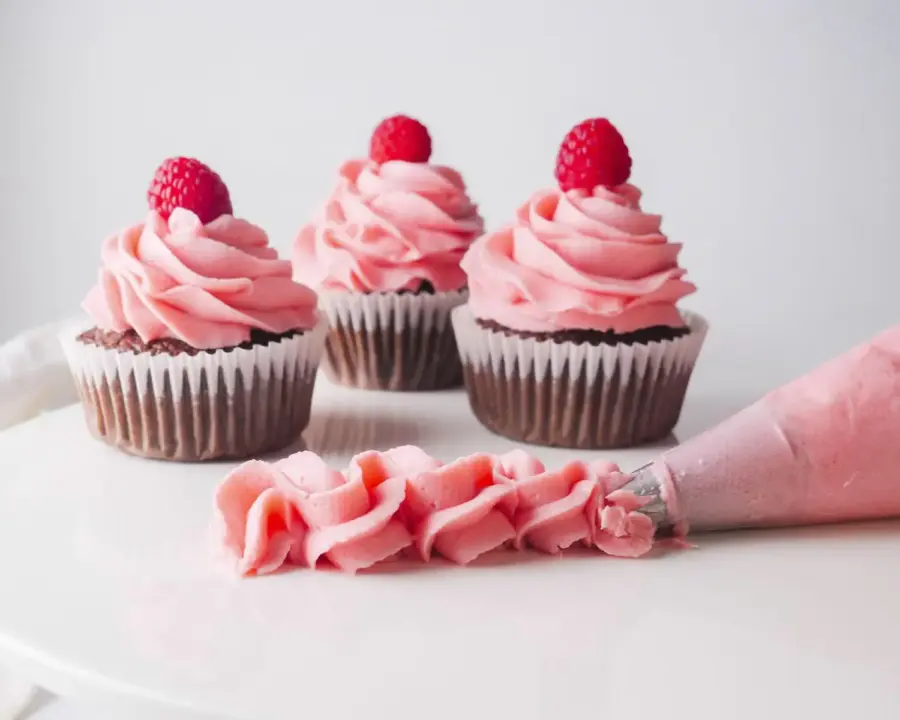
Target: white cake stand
110	594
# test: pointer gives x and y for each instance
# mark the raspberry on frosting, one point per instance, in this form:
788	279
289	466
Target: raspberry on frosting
584	256
393	223
593	153
400	138
193	272
182	182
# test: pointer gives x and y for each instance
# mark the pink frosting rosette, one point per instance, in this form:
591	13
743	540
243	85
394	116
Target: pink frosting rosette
350	516
301	510
578	260
206	285
551	511
257	521
579	503
618	528
462	509
389	227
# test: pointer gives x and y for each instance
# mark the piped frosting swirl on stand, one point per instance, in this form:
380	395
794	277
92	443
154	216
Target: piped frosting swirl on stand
578	260
389	227
206	285
404	502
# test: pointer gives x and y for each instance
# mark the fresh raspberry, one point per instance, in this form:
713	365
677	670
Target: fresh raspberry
400	138
189	184
593	153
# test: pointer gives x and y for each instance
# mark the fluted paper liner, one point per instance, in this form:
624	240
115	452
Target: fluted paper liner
576	395
232	403
392	341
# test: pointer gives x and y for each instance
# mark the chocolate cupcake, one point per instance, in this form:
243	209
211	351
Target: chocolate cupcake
571	336
202	346
384	254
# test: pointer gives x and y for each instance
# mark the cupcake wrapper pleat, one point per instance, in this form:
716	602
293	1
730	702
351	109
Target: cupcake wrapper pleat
576	395
226	404
392	341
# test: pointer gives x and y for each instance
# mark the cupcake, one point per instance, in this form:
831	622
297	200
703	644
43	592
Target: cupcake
384	253
572	336
202	346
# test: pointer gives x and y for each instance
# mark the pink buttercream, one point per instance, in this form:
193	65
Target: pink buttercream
298	509
403	462
551	509
617	525
462	509
350	520
578	260
258	523
207	285
389	227
823	448
622	530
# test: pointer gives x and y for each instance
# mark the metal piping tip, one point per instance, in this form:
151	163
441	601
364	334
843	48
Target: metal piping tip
644	483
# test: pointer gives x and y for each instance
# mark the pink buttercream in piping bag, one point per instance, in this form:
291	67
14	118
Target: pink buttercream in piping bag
823	448
578	260
207	285
388	227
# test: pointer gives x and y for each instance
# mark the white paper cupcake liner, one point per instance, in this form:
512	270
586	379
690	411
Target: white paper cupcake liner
224	404
576	395
392	341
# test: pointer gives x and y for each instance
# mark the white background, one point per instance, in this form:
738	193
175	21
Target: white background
767	132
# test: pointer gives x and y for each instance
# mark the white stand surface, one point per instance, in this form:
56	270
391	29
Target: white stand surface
110	594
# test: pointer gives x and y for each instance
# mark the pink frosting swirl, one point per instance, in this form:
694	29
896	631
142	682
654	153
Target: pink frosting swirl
207	285
618	528
300	510
578	261
257	522
550	514
389	227
350	517
462	509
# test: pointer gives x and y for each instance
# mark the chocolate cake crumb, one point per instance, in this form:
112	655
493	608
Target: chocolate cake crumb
130	341
426	288
657	333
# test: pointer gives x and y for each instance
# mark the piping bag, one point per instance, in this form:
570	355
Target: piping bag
823	448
